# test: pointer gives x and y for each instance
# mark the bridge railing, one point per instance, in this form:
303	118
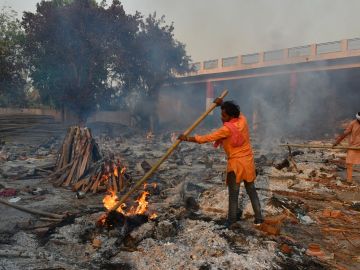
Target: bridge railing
312	52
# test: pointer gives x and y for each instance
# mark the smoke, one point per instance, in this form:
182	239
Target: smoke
215	29
279	108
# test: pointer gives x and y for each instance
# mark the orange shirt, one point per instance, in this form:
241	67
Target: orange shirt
240	159
353	156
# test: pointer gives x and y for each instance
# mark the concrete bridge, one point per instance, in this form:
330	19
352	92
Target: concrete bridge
297	87
342	54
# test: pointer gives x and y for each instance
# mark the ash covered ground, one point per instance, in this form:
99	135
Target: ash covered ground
311	213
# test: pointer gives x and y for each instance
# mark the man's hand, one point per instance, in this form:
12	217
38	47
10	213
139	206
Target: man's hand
218	101
182	137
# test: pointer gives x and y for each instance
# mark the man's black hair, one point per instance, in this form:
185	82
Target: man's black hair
231	108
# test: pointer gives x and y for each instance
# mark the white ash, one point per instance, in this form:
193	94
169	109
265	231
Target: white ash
196	244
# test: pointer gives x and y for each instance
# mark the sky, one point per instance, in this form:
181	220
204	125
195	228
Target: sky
213	29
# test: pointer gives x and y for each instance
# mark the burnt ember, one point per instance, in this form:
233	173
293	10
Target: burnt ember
117	220
284	164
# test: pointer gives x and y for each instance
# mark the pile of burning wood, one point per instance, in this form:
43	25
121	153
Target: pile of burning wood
81	166
138	212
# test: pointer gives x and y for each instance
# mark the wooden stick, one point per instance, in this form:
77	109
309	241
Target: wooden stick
96	183
78	184
324	146
167	154
342	164
61	170
14	254
32	211
291	158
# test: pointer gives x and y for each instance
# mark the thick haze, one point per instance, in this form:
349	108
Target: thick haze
214	28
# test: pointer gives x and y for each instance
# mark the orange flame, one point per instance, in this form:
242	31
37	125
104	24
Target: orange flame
142	204
153	216
116	171
111	199
154	185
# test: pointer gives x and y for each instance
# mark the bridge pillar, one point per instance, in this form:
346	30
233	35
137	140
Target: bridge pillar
209	94
293	86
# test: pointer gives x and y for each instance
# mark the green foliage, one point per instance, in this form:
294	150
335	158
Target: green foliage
160	57
72	45
164	56
12	62
86	55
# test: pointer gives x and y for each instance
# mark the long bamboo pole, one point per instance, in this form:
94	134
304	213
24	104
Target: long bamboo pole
33	211
321	146
167	154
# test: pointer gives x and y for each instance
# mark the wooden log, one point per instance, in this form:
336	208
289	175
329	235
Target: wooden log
85	159
60	171
33	211
88	185
78	184
14	254
75	144
114	182
121	185
108	184
61	180
96	151
96	183
76	175
50	219
322	146
342	164
291	158
70	176
68	147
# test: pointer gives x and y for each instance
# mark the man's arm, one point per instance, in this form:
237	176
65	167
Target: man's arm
343	136
218	134
340	138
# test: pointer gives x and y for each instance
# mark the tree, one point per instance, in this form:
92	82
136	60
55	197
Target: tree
162	57
73	47
12	82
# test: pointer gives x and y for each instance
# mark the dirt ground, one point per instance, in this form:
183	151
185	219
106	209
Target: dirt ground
312	214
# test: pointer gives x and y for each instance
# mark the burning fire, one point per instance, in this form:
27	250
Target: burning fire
142	205
114	181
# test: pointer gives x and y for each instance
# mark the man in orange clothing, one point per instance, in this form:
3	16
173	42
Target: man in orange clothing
353	156
235	139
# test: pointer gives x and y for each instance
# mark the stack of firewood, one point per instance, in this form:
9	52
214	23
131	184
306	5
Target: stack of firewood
81	166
